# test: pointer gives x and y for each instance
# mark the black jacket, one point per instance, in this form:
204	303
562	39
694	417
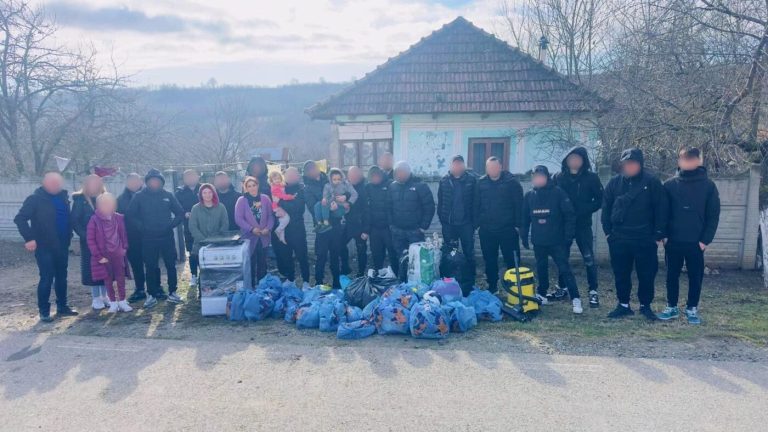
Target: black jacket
155	214
549	216
264	187
228	198
187	198
694	207
123	202
295	208
313	192
81	215
413	206
36	220
584	188
499	203
445	196
635	208
357	218
379	205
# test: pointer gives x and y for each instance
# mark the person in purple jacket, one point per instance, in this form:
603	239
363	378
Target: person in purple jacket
253	214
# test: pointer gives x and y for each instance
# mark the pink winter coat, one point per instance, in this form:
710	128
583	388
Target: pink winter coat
97	243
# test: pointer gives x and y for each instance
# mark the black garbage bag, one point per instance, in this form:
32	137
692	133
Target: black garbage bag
363	290
455	265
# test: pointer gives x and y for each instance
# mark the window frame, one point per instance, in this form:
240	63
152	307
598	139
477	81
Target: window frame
506	142
358	154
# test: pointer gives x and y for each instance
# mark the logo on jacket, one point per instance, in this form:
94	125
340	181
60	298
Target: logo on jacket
412	188
166	199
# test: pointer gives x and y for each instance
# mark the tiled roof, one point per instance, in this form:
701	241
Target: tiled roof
459	69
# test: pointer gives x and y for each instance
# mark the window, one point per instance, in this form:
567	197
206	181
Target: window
480	149
363	154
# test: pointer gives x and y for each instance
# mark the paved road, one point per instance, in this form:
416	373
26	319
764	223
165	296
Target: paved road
63	382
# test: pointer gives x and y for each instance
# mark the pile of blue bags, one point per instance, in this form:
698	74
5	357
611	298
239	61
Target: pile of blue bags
426	312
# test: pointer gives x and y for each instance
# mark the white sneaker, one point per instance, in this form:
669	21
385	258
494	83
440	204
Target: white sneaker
98	303
124	306
543	300
577	309
193	280
113	307
106	301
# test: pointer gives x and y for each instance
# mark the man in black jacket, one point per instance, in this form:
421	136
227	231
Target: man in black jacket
456	210
386	162
412	208
551	220
378	221
186	194
227	196
155	212
328	244
43	221
356	221
295	246
694	213
586	193
498	211
133	184
634	220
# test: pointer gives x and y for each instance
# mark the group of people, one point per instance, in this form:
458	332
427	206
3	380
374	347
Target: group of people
126	236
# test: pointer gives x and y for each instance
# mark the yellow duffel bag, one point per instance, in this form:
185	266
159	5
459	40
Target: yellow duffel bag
527	283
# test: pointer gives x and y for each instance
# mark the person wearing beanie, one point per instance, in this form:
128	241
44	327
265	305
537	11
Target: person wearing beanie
455	209
634	219
586	193
377	224
154	213
694	213
412	209
133	183
549	217
188	196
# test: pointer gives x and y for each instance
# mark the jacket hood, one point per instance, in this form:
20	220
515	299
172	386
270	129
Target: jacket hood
633	154
697	174
375	170
153	173
322	179
253	162
212	189
581	151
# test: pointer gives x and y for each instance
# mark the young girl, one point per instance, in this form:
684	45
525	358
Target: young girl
83	207
277	183
108	244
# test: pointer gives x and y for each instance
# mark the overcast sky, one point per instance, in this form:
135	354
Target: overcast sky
256	42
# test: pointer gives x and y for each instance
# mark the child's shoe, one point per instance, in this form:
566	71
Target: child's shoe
113	307
577	309
98	303
281	236
124	306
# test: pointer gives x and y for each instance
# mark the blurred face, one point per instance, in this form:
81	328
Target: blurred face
291	176
93	186
574	162
276	179
207	195
376	179
458	168
154	184
221	182
191	179
336	179
106	206
402	175
312	171
630	168
133	184
493	169
688	164
252	188
355	175
539	180
53	183
256	169
386	161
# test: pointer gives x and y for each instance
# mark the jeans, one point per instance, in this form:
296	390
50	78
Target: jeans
328	244
464	234
692	256
295	247
153	250
323	212
637	254
136	260
381	246
52	266
402	239
559	255
584	240
490	242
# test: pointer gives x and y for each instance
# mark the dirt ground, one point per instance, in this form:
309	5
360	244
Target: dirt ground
734	307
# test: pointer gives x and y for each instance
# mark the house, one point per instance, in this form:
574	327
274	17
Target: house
460	91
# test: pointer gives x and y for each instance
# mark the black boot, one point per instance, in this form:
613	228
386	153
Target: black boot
621	312
648	313
66	311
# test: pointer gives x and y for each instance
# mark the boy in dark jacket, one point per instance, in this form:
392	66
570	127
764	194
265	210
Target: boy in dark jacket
456	209
498	211
586	193
378	221
133	184
634	220
551	220
412	209
155	212
43	222
227	196
694	213
187	195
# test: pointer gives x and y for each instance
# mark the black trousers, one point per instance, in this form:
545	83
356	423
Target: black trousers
136	260
402	239
152	251
361	248
381	246
52	265
584	240
258	264
464	235
328	245
294	249
692	256
559	255
639	255
194	260
490	243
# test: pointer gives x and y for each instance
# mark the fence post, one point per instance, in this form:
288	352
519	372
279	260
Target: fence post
601	244
752	220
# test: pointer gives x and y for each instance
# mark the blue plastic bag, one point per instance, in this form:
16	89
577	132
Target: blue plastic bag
308	315
487	306
291	295
355	330
344	281
427	321
461	318
258	305
370	309
236	310
352	313
331	314
270	283
392	318
405	298
448	288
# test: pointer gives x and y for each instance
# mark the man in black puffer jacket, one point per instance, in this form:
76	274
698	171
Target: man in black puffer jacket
498	211
634	220
378	220
133	184
551	220
187	196
694	213
227	196
456	210
295	246
328	244
413	208
586	192
356	220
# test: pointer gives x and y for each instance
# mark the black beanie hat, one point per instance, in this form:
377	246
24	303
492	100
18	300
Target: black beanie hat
541	169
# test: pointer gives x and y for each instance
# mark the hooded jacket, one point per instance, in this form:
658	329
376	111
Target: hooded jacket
154	213
635	208
295	209
123	202
357	217
584	188
36	220
548	215
262	178
228	199
412	205
694	207
498	203
446	193
187	197
379	201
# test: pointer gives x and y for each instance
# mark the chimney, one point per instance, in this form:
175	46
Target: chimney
543	45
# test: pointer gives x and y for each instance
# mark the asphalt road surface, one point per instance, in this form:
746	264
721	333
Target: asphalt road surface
70	383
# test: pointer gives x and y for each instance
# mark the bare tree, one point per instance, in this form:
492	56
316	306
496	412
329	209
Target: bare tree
229	131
